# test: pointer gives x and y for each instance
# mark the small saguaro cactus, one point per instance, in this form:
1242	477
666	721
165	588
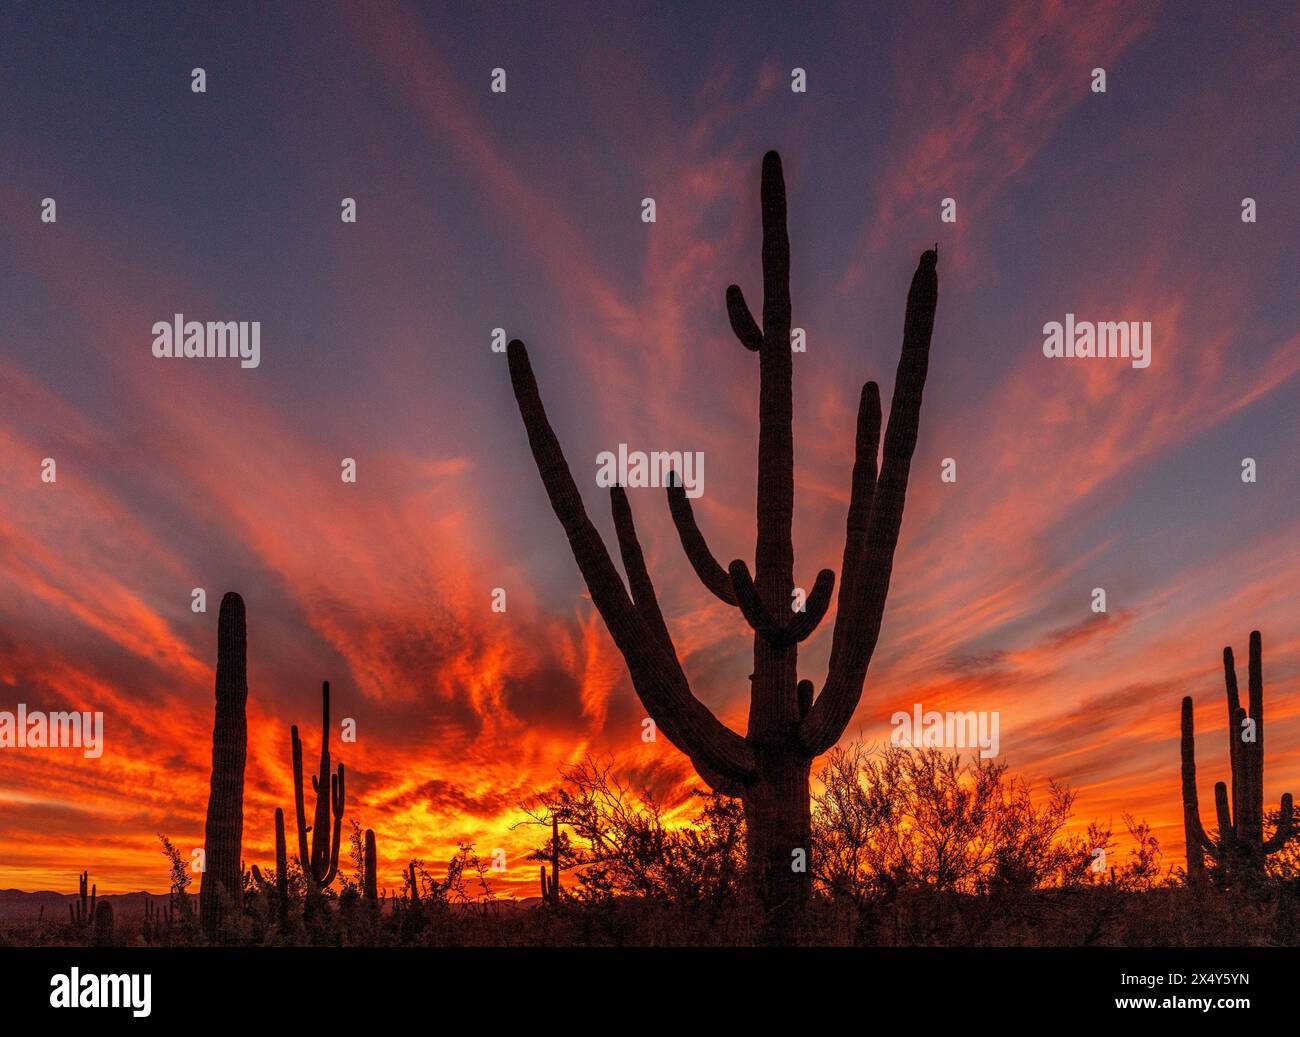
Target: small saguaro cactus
551	887
222	880
104	924
281	869
372	869
1240	845
413	886
322	863
82	910
157	920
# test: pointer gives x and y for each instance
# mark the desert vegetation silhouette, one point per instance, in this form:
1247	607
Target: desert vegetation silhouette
906	847
789	723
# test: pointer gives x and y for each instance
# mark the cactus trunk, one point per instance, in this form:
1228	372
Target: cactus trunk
221	885
281	867
104	924
372	869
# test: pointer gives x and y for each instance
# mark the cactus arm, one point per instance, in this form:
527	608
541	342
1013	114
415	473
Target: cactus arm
742	321
1243	795
804	696
777	633
666	695
706	567
643	597
865	586
751	605
1285	826
722	783
1198	842
1235	746
857	523
643	590
336	801
818	601
320	836
1226	834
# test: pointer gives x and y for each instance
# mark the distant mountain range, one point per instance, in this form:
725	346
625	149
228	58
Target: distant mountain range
18	906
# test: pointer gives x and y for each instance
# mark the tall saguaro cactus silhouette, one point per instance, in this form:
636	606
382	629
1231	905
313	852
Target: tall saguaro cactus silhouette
221	885
1241	844
788	726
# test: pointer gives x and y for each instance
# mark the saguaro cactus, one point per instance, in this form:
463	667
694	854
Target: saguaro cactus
322	863
82	910
413	886
1241	844
222	879
281	858
551	886
788	727
372	869
157	920
104	924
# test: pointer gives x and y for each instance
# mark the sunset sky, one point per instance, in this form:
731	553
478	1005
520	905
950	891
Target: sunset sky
522	211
